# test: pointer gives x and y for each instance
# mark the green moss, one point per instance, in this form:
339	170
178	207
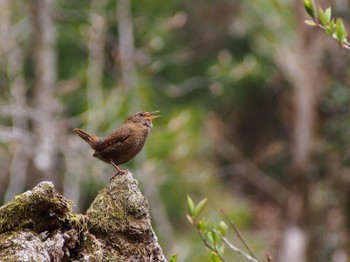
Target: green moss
116	227
39	210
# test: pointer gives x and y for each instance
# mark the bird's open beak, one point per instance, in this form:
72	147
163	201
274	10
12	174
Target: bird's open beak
151	115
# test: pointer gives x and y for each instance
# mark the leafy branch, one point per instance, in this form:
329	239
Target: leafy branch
323	19
214	236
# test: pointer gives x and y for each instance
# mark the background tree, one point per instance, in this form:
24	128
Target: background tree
254	104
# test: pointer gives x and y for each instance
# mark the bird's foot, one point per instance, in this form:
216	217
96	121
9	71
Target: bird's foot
120	172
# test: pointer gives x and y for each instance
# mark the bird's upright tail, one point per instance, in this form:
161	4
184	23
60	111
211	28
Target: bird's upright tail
93	140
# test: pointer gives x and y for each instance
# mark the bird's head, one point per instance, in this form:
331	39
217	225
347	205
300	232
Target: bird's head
144	118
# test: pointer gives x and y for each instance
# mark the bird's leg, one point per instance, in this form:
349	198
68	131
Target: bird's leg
120	171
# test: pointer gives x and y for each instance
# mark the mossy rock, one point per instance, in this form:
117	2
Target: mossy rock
39	225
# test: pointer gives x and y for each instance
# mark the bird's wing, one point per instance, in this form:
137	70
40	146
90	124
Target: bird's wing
120	135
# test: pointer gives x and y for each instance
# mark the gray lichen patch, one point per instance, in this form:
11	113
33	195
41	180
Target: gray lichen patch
39	225
118	206
119	216
22	246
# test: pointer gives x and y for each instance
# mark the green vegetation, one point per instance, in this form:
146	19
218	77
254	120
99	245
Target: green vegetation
254	104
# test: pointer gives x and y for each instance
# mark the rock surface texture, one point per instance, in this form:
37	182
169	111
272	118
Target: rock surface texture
39	225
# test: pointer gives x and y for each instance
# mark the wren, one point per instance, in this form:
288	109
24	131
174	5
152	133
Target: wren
124	143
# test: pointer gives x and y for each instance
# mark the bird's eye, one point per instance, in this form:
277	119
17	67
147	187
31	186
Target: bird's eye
141	114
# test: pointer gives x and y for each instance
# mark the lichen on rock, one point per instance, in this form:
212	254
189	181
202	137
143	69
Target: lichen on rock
120	217
39	225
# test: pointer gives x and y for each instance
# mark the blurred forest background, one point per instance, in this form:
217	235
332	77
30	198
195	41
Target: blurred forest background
255	112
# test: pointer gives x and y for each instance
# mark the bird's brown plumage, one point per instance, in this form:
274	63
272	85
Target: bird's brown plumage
124	143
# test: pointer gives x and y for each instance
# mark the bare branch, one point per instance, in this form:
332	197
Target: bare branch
269	258
246	167
251	172
238	234
10	134
239	251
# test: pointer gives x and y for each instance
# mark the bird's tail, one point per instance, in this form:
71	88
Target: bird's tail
93	140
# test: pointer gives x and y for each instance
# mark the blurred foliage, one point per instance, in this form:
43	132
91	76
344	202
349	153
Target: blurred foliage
215	235
195	61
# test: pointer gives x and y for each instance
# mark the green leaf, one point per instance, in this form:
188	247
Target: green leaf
330	28
340	31
200	207
309	7
221	249
174	258
216	237
223	228
214	257
328	14
325	16
210	236
310	22
202	226
190	205
322	16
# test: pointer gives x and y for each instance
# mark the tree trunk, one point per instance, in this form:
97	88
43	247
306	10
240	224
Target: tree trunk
13	59
96	44
126	45
301	65
48	128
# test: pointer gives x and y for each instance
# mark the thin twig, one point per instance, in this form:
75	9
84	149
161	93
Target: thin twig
251	171
239	251
269	257
239	234
345	44
208	245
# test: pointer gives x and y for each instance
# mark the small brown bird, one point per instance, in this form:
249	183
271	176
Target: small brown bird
124	143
